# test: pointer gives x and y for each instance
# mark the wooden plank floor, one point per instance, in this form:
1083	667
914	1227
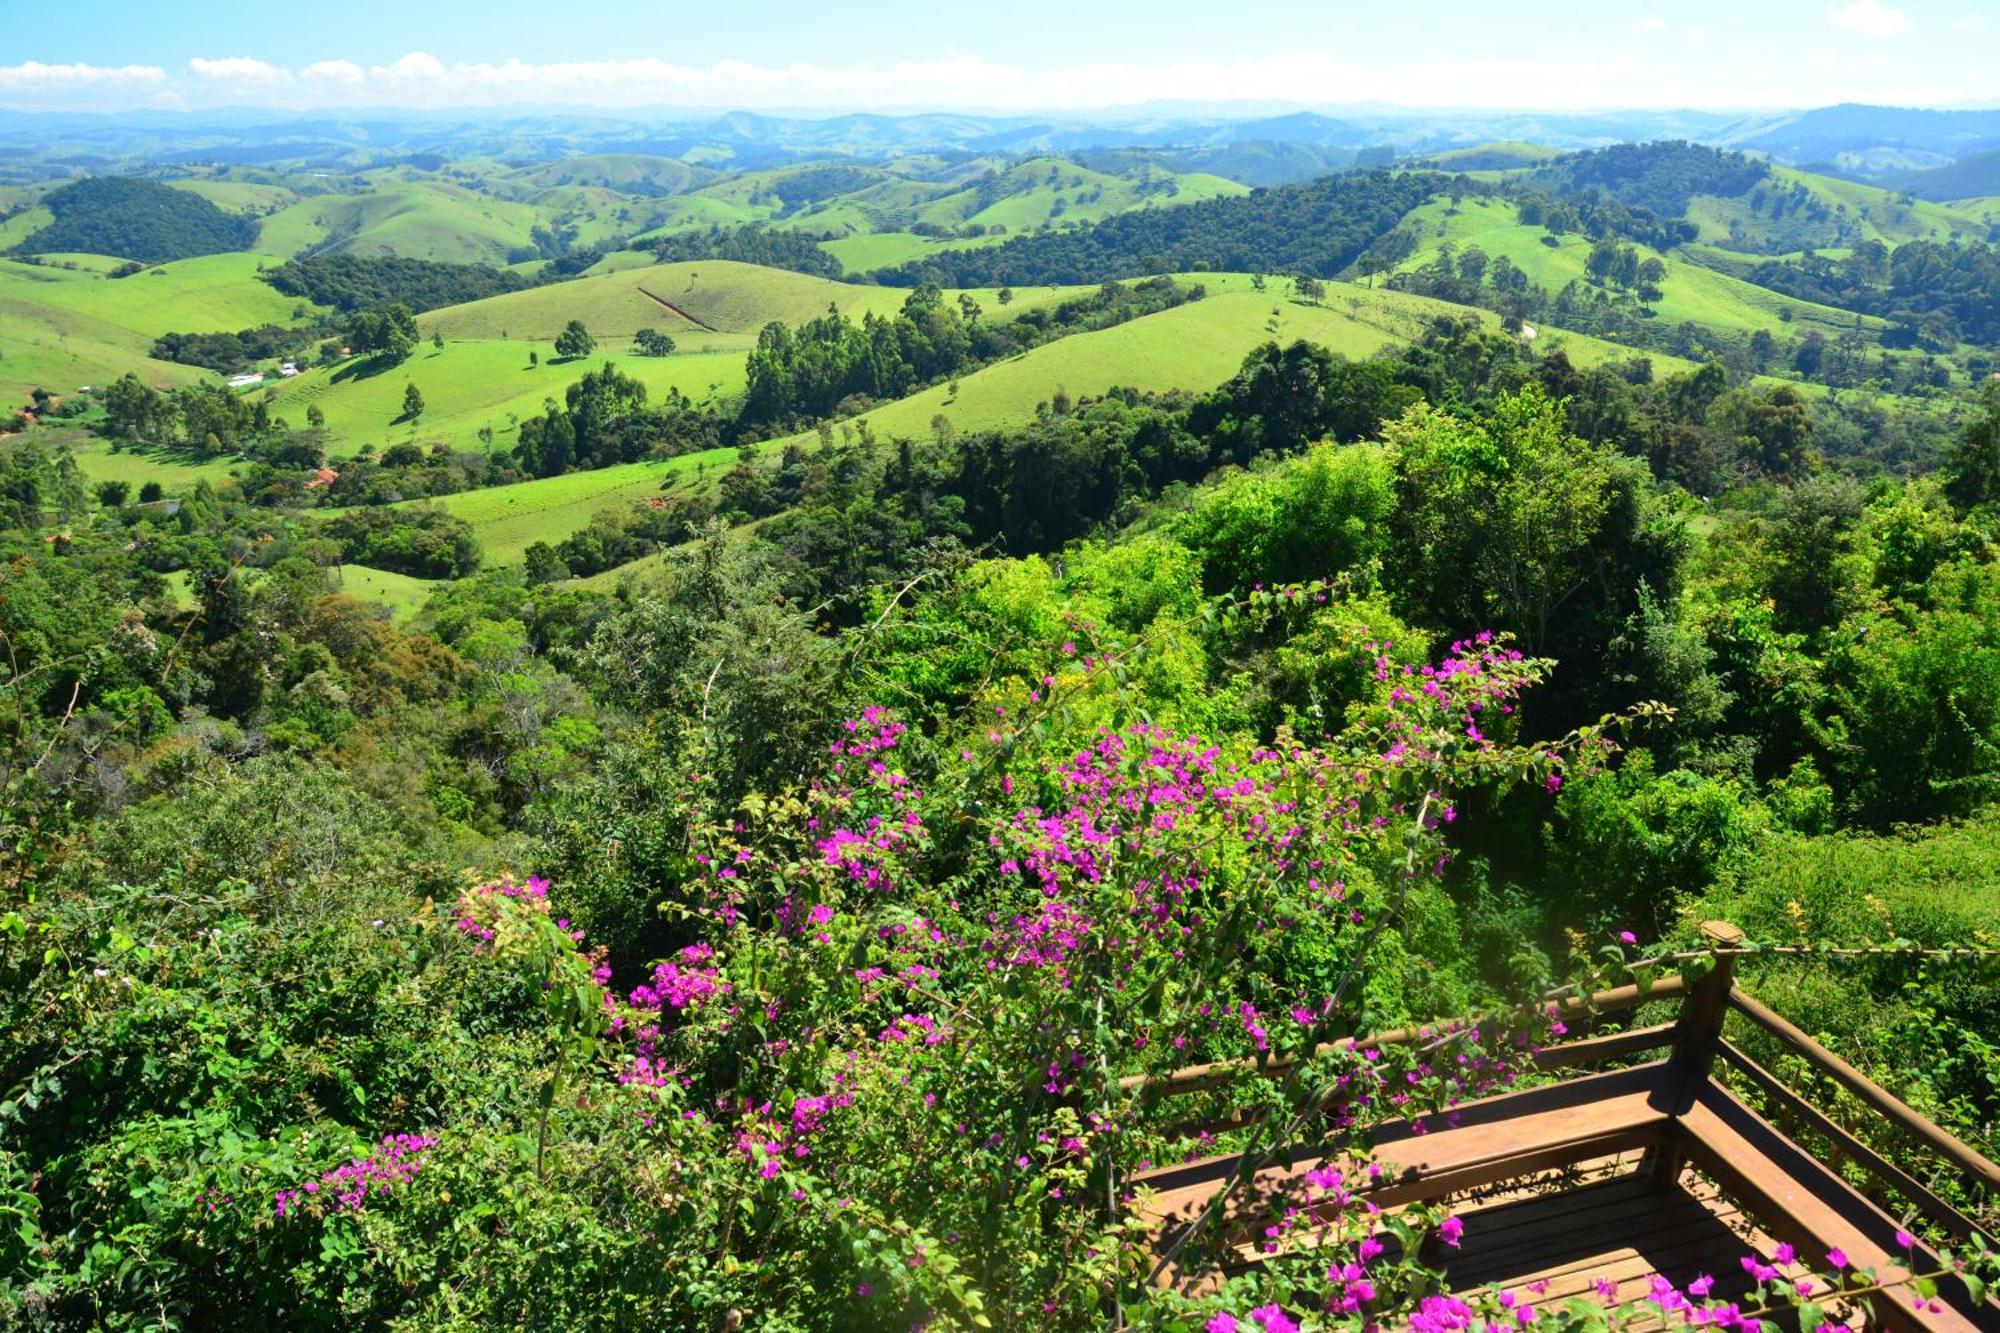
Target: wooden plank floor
1550	1244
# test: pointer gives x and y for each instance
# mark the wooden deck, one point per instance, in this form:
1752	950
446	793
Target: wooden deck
1553	1243
1595	1185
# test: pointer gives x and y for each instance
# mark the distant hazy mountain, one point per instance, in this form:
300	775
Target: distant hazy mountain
1971	177
1257	144
1872	139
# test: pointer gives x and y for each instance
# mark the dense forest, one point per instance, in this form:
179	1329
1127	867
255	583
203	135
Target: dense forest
1659	177
357	282
1317	228
749	245
140	220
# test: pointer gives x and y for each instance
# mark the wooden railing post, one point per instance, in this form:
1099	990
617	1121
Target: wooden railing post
1698	1034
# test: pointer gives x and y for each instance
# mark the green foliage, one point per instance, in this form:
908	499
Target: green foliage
353	283
135	218
749	245
652	342
1661	177
1627	844
574	340
1915	702
1325	513
424	541
389	335
1317	228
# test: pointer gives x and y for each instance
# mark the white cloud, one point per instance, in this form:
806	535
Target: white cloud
35	76
1652	23
1695	32
239	70
1869	18
335	71
1970	23
1670	76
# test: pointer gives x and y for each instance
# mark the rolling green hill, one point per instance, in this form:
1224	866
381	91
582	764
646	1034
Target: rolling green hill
638	174
136	218
487	382
1795	210
1042	191
1196	347
507	520
210	294
416	219
1690	292
1499	155
682	298
238	196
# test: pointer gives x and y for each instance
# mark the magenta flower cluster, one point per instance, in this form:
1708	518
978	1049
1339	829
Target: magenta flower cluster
347	1188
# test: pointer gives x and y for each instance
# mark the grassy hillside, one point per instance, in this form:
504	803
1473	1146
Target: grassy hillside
207	295
22	225
726	297
487	382
1499	155
1690	291
509	519
1834	212
416	219
98	461
1046	190
62	349
239	196
403	594
638	173
694	211
1196	347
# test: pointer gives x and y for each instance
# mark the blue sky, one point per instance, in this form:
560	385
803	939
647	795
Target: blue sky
1001	54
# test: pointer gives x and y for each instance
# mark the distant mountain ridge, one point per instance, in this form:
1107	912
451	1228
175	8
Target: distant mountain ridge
1255	145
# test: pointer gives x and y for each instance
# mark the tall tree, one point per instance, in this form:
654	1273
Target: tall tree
574	340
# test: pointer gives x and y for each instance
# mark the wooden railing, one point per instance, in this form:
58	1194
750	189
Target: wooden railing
1973	1167
1695	1119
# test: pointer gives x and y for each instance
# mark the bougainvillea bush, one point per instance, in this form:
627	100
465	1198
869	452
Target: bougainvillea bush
889	1067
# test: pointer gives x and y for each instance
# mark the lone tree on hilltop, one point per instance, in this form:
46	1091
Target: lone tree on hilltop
574	340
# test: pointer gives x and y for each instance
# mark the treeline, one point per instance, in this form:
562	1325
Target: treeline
825	368
1937	295
749	245
419	540
139	219
358	282
400	472
833	366
205	418
605	419
1319	228
1661	177
1088	464
1614	304
230	352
